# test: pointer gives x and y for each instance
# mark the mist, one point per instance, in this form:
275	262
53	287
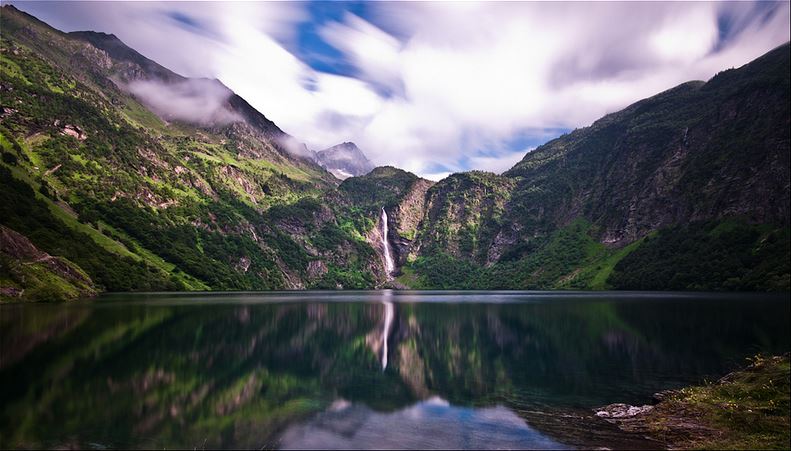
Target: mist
196	101
295	147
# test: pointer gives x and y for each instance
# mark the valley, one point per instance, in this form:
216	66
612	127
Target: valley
686	190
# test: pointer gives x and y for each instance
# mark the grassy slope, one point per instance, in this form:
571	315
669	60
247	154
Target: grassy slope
23	173
747	409
33	281
675	158
201	205
713	256
190	203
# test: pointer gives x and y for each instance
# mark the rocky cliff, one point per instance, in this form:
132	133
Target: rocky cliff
107	163
701	155
112	149
344	160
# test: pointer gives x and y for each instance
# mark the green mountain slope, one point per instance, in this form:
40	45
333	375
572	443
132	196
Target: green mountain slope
108	164
701	152
189	202
698	151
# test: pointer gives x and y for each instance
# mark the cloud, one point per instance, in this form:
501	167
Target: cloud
440	86
476	74
497	164
295	147
374	52
197	100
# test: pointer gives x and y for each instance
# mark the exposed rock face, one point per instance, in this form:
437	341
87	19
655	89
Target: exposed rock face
408	213
695	152
235	203
17	246
406	218
344	160
74	131
33	268
463	215
316	269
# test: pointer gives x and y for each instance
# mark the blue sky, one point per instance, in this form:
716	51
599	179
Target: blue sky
437	87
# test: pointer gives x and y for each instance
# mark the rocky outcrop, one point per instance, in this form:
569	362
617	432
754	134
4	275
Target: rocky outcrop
621	411
405	219
747	408
696	152
36	275
316	269
463	215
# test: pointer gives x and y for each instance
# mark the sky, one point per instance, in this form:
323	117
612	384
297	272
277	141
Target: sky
436	88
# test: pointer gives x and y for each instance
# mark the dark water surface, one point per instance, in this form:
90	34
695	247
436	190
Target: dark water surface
362	369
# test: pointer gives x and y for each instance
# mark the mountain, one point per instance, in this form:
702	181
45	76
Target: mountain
403	196
344	160
148	180
708	160
118	174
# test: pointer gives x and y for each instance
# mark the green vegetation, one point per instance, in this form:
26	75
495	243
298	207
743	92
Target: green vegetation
747	409
598	273
109	270
464	214
379	188
36	281
443	272
730	255
712	256
141	203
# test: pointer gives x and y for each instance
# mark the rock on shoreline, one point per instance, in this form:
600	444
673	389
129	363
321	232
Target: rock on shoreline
747	409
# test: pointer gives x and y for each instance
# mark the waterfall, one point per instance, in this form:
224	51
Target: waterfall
389	265
389	310
386	331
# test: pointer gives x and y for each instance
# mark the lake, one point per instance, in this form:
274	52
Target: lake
374	369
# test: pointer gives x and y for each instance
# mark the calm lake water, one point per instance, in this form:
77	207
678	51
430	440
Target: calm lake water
362	369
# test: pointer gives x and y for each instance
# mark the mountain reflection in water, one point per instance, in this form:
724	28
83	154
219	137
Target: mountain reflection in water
257	370
430	424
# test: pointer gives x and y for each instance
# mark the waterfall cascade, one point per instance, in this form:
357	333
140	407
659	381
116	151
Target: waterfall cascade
389	265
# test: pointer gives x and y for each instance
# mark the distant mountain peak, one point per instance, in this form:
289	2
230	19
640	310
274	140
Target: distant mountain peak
344	160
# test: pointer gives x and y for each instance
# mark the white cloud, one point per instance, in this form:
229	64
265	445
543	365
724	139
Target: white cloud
489	71
497	164
373	51
195	100
461	79
435	176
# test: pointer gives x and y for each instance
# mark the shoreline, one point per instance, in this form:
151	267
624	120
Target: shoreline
745	409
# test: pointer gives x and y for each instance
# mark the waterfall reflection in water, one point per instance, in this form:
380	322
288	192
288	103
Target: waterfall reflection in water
388	324
238	370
